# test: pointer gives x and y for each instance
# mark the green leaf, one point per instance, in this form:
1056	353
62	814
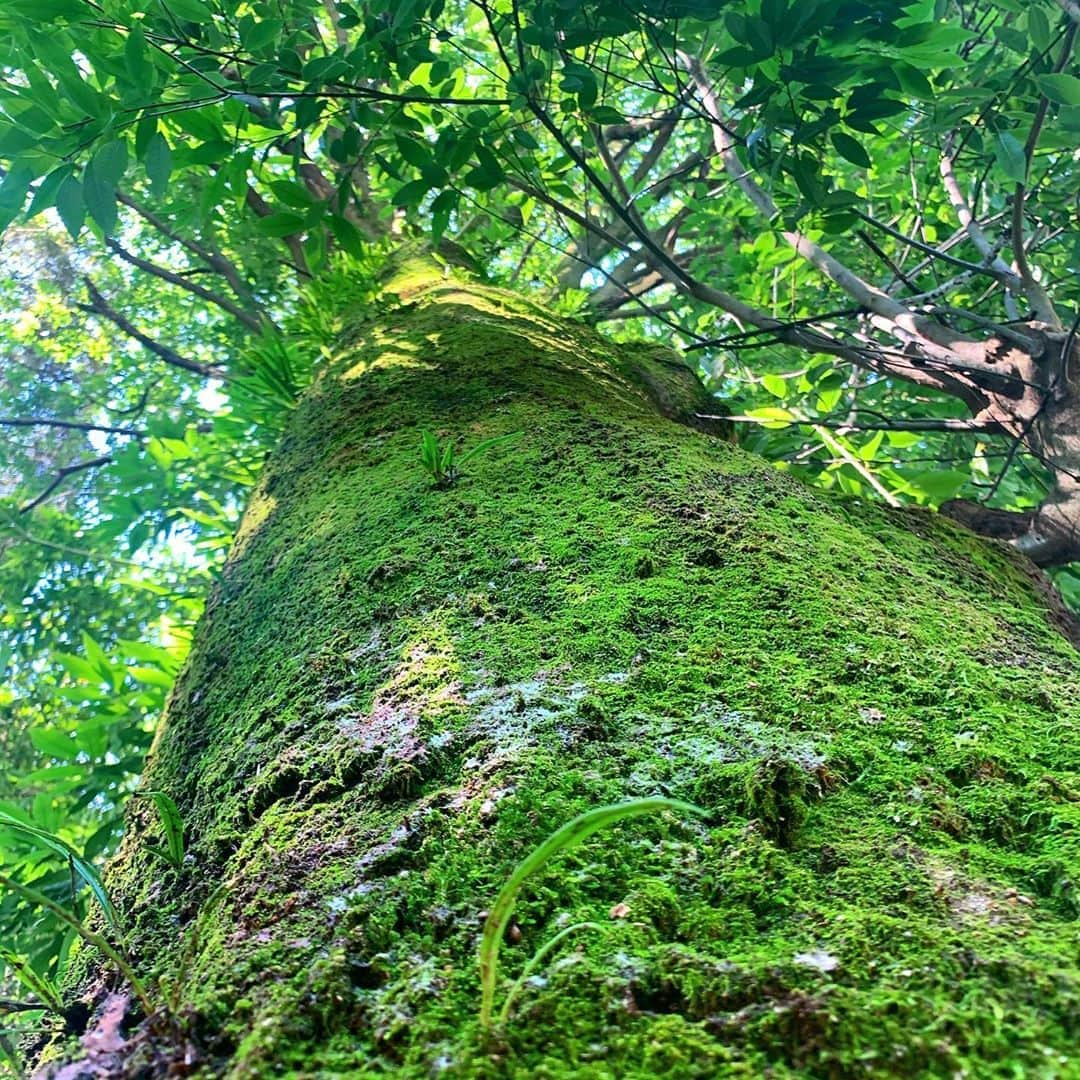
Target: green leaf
171	823
34	981
97	657
99	196
1062	88
281	224
773	416
45	195
152	676
13	193
1039	28
442	206
110	162
850	149
1010	157
416	153
79	668
605	114
411	193
775	384
759	37
54	743
940	484
158	163
191	10
257	35
84	869
348	236
139	71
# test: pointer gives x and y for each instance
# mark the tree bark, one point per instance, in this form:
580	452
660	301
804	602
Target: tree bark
400	688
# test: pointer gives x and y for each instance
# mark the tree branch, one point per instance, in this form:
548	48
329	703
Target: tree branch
1036	294
252	322
1004	272
74	425
928	424
214	259
100	306
61	474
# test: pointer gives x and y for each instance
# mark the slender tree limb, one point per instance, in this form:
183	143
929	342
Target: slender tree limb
974	231
67	549
100	306
888	313
779	326
1036	294
9	1005
861	467
214	259
934	253
252	322
61	475
929	424
73	425
883	255
657	146
623	312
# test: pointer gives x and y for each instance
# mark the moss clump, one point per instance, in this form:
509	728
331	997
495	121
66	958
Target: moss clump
398	691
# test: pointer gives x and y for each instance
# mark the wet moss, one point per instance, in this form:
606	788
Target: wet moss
399	690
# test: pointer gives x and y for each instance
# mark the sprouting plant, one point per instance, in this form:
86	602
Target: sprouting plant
442	464
173	826
78	865
563	839
534	961
85	870
91	937
48	996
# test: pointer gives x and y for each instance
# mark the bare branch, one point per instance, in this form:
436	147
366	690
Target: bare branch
100	306
252	322
73	425
966	218
927	424
61	475
214	259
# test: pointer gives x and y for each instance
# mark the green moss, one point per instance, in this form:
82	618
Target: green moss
398	691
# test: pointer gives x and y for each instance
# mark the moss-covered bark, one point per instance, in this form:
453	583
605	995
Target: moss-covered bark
399	690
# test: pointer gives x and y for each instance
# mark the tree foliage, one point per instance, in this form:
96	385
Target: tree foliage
858	218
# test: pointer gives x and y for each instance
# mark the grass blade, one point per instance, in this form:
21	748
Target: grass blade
569	836
486	445
537	957
86	870
91	937
34	981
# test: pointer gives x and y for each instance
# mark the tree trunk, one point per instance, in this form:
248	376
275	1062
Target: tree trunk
401	687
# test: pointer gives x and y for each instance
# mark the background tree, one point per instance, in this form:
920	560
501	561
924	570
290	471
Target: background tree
857	217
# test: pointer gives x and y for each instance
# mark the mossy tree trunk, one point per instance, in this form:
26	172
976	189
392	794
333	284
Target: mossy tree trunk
400	688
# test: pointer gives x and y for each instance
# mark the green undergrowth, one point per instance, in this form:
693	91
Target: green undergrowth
399	690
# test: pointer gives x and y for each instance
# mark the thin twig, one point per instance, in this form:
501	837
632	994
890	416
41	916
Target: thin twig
61	474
